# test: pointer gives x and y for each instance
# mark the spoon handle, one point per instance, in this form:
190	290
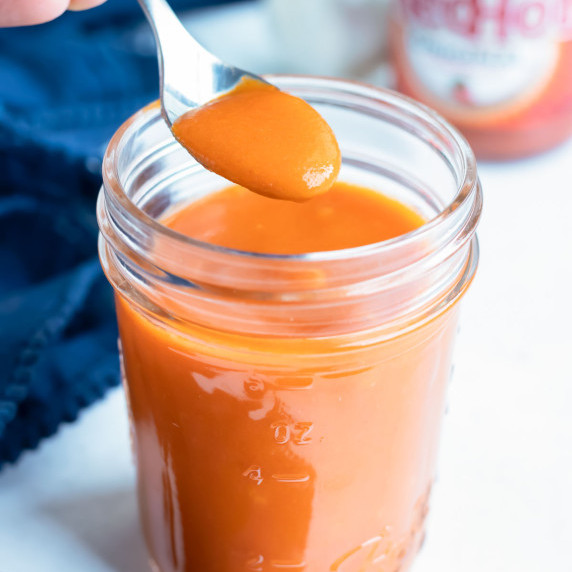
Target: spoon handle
166	25
189	74
184	64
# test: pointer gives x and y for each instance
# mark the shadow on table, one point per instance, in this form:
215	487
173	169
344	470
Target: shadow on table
107	523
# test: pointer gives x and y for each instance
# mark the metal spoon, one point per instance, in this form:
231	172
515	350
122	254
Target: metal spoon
190	76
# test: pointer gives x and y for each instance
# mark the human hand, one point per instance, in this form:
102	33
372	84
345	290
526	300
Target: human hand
28	12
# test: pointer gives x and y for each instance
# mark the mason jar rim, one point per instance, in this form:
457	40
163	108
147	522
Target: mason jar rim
467	188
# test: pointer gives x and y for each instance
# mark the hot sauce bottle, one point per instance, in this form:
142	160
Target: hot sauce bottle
500	70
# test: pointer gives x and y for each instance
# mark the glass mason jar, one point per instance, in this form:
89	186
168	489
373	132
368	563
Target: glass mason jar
286	408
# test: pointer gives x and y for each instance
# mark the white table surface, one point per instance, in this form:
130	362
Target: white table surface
503	500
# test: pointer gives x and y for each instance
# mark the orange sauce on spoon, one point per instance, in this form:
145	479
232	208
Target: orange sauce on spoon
263	139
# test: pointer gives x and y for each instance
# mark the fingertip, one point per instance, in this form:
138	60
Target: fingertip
30	12
77	5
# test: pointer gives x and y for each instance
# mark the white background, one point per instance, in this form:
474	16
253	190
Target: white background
503	501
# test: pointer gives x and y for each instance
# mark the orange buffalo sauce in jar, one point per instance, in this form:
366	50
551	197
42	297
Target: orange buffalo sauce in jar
346	217
286	363
500	70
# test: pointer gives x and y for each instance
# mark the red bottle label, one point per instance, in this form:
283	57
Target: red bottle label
483	54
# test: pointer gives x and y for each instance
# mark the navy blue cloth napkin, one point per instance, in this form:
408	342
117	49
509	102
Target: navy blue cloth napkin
65	87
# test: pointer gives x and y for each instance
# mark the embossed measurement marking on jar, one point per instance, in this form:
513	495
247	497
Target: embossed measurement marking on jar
255	474
254	387
291	478
295	383
259	564
298	433
373	554
277	565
